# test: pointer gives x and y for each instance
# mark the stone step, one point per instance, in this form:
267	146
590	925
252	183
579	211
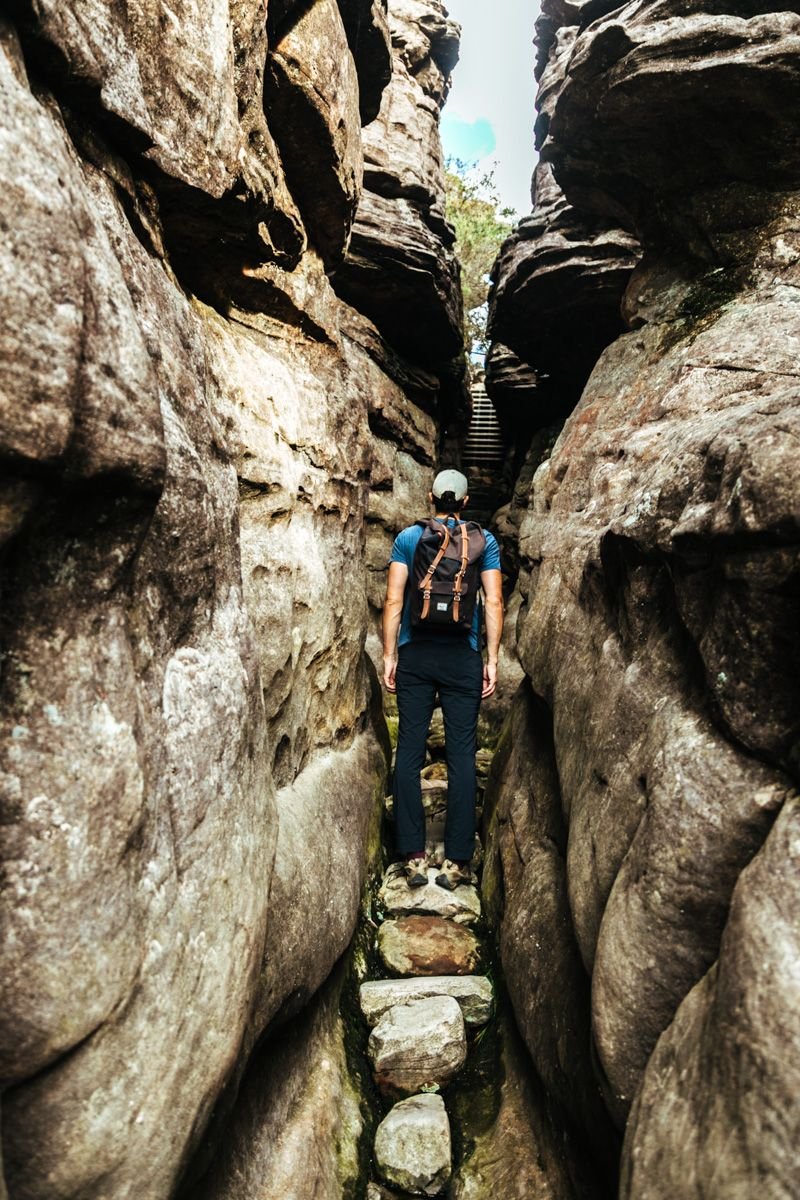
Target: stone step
376	1191
473	993
418	1045
412	1147
435	770
483	761
462	905
420	945
434	798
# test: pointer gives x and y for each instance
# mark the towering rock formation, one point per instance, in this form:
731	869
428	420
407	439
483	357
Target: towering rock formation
646	819
202	444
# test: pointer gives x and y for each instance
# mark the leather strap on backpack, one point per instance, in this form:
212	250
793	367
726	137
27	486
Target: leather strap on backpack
425	583
459	579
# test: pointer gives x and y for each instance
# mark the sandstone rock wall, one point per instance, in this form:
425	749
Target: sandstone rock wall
651	764
204	447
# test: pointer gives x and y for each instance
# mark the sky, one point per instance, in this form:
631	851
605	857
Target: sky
489	113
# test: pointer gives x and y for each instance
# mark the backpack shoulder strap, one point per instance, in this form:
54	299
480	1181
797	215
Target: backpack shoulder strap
462	570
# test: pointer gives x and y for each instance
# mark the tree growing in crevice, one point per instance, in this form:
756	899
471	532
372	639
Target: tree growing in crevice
482	224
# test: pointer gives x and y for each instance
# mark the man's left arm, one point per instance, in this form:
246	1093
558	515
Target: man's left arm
492	584
392	615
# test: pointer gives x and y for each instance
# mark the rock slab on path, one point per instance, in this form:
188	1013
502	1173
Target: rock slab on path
473	993
434	798
462	905
412	1145
424	945
417	1045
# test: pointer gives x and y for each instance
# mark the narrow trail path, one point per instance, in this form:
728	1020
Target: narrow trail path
426	1016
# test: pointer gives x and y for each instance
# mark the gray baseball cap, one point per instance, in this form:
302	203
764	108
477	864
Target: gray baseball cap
450	481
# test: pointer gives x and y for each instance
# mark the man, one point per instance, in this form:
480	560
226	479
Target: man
424	662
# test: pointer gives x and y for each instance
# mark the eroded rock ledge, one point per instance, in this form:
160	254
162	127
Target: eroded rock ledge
651	765
204	448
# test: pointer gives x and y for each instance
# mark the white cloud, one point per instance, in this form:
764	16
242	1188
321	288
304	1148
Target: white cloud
494	80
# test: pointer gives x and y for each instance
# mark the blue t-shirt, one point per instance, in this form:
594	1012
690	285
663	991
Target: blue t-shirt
403	552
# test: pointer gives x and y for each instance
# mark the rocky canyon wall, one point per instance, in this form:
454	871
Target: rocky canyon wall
230	349
644	840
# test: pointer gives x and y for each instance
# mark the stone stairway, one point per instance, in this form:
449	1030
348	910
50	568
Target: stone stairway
424	1017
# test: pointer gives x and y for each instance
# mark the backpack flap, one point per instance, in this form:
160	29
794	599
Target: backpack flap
445	578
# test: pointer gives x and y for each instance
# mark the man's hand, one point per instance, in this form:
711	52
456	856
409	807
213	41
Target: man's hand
389	672
489	679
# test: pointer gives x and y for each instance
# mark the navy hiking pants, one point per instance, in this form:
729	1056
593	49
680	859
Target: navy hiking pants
450	667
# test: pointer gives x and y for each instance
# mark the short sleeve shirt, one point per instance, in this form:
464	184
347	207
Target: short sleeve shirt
405	544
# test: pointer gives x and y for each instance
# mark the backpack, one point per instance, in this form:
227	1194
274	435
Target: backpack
445	577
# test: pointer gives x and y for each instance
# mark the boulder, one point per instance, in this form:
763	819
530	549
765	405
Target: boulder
187	90
434	798
716	1109
183	512
299	1136
613	146
555	305
312	97
657	745
370	44
435	771
400	252
420	945
525	888
473	993
514	1143
412	271
412	1146
462	904
418	1045
142	727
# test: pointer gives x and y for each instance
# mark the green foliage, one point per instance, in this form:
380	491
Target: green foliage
482	224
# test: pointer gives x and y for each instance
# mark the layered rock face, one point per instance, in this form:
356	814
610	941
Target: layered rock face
644	799
202	445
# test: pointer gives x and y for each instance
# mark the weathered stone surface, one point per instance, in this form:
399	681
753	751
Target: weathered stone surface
513	1142
382	277
367	29
717	1106
463	904
188	716
637	75
78	385
312	95
419	945
474	995
525	891
659	556
555	303
132	725
400	251
434	798
418	1045
434	843
435	770
189	88
691	809
298	1136
412	1145
511	384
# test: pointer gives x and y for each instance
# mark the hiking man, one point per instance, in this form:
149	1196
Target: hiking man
435	571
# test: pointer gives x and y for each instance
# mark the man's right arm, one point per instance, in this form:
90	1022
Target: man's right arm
392	615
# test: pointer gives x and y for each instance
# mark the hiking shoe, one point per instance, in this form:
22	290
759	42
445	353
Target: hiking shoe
415	869
453	873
